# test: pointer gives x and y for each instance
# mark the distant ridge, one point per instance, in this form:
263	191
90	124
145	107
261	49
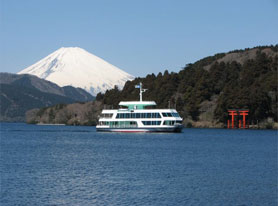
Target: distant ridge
73	66
19	93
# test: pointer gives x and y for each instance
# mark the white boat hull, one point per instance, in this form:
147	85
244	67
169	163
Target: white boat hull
150	129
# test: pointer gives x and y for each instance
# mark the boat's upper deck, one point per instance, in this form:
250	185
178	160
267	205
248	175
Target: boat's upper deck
137	107
140	114
137	104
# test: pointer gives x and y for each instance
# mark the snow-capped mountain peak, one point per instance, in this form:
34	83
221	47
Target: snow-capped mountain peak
76	67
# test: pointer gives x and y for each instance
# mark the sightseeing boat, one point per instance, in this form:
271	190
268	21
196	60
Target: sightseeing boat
139	116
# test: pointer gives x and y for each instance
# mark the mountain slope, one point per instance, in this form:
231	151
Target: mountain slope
76	67
19	93
203	92
14	104
31	81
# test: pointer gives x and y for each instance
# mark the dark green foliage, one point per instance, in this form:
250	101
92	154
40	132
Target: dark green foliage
51	115
251	85
208	60
99	96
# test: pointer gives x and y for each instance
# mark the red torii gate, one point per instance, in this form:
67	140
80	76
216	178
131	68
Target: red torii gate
236	112
244	113
232	113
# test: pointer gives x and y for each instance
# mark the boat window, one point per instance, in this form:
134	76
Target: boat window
157	115
137	115
151	122
106	123
157	122
132	123
175	114
106	115
168	122
121	124
101	123
168	114
132	115
154	115
146	122
149	115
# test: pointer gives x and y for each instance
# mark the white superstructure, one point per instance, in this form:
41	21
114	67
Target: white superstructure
137	116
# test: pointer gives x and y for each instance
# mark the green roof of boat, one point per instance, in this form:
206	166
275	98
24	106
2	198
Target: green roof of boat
137	104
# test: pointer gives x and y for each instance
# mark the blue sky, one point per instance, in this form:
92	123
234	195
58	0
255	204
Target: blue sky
138	36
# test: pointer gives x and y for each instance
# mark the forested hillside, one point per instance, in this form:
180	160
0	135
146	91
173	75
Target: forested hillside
205	90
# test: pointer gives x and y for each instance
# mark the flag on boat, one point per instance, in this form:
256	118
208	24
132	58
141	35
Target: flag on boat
137	86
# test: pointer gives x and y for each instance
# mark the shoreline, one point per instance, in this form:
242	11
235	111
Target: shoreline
196	125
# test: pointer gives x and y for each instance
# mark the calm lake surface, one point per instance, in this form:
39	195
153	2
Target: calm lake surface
64	165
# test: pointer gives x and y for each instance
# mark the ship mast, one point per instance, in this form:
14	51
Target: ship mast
141	91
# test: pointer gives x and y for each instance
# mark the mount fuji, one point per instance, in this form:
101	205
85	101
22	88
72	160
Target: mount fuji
76	67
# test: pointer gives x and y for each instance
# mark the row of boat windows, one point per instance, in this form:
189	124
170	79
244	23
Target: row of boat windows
119	124
169	122
151	122
137	115
168	114
166	122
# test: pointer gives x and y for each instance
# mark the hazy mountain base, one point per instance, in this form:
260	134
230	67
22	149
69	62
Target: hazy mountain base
33	82
20	93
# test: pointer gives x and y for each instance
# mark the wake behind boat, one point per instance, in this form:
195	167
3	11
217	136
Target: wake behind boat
134	116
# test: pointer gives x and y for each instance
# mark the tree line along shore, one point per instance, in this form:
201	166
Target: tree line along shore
201	92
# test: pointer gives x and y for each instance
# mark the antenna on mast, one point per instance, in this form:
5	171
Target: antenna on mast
141	91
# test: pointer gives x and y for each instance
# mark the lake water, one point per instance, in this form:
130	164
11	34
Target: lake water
64	165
